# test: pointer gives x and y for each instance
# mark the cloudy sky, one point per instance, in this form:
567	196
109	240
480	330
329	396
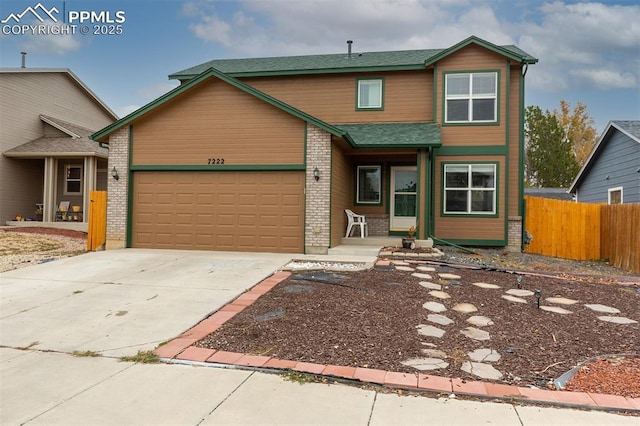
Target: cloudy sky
588	52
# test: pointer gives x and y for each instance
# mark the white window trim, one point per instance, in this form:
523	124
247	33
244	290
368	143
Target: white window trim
66	179
376	107
470	98
358	201
617	188
469	189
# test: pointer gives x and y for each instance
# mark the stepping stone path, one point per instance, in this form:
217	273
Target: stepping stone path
426	268
405	268
484	371
617	320
475	333
433	353
465	308
434	307
484	355
603	308
519	292
439	319
399	263
486	285
440	294
561	300
430	286
424	364
420	275
430	331
448	276
479	321
555	309
513	299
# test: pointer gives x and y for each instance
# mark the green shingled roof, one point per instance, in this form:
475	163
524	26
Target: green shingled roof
393	135
337	63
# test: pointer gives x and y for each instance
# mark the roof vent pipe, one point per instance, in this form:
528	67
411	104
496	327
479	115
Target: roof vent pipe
24	62
349	43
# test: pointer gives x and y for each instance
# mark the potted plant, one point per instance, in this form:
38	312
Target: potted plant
409	242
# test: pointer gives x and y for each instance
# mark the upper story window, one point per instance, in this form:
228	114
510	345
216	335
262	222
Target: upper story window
368	185
73	179
470	188
471	97
370	94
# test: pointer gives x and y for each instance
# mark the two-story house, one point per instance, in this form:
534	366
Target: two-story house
46	154
265	154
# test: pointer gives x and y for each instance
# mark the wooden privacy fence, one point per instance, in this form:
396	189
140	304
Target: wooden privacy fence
584	231
97	231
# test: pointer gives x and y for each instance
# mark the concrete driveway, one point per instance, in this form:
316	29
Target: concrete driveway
120	302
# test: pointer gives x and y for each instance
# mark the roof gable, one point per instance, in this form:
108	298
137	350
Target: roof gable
342	62
630	128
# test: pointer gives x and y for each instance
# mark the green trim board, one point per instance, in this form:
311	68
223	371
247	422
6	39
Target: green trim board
434	113
471	150
393	135
507	141
130	186
342	62
495	122
474	215
223	168
209	73
361	108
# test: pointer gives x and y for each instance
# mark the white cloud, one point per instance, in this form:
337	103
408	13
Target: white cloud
127	109
51	42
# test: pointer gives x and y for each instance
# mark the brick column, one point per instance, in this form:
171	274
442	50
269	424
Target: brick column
515	233
318	193
117	190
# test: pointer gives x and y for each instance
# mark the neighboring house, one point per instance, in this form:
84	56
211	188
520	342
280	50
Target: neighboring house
553	193
612	172
46	118
265	154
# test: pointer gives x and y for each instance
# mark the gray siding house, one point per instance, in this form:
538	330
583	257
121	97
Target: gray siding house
46	155
612	171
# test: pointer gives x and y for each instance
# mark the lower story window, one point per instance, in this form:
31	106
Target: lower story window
470	188
368	185
73	180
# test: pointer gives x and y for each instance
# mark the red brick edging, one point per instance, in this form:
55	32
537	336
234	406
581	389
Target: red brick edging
181	348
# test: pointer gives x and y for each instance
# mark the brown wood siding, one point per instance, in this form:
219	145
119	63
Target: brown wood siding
236	211
408	95
216	120
514	142
473	58
341	193
467	227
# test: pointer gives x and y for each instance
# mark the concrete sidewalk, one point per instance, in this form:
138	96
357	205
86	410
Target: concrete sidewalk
119	302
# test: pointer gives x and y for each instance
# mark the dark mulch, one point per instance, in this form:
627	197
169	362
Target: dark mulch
46	231
369	319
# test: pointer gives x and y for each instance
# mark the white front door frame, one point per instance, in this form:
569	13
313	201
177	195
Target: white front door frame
401	222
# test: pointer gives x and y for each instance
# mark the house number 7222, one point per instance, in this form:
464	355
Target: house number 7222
215	161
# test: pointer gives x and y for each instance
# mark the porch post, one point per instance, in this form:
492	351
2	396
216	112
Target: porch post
49	189
89	184
318	192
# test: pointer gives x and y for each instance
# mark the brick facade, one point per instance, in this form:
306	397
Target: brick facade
318	193
118	189
515	233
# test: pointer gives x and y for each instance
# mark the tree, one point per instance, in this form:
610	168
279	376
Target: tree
550	161
579	127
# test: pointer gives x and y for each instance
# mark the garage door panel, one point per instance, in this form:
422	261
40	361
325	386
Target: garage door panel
246	211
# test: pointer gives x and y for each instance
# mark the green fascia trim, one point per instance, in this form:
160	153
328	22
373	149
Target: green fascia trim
506	157
474	215
466	242
511	52
381	107
393	135
129	230
222	168
304	204
434	114
471	150
522	211
229	80
331	186
419	231
471	123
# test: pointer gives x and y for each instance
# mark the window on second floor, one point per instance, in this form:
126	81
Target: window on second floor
73	179
370	94
469	189
471	97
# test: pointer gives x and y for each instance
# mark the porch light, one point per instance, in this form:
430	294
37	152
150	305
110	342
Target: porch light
316	174
114	173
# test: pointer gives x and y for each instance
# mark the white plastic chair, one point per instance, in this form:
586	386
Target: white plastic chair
356	220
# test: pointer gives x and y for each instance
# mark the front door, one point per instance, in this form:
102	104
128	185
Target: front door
404	182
